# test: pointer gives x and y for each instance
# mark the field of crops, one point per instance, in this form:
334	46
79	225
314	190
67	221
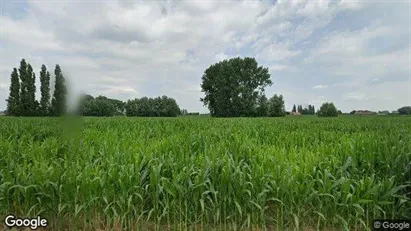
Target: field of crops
201	173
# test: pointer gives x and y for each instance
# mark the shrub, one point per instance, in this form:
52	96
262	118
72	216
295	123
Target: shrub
328	110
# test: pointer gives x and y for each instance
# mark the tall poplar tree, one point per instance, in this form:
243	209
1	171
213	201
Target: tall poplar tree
13	102
32	103
24	97
300	108
276	106
58	102
45	91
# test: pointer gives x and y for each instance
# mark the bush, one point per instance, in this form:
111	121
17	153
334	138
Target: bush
328	110
276	106
99	106
160	106
405	110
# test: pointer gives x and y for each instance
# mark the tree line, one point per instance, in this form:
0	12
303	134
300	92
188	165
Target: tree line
233	88
99	106
304	111
236	87
406	110
22	97
144	107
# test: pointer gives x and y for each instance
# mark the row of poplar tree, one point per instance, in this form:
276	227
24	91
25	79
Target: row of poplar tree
22	98
304	111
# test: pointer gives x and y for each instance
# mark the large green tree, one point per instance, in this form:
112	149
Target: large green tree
45	91
300	109
119	106
262	106
58	102
312	110
81	103
28	101
13	102
160	106
307	111
276	106
405	110
232	86
99	107
328	110
31	91
24	95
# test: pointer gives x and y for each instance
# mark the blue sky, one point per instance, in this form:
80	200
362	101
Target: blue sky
353	53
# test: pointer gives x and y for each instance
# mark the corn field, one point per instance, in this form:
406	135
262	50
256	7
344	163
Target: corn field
201	173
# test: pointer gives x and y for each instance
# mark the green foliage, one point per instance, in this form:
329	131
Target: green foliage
58	103
13	102
232	87
193	113
184	112
44	109
405	110
262	106
31	89
28	104
100	106
276	106
202	173
294	109
328	110
22	97
306	111
81	103
300	109
160	106
118	105
311	110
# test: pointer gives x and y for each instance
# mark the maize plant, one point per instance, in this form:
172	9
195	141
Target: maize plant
201	173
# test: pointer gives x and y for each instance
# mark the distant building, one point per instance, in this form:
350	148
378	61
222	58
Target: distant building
295	113
364	112
383	112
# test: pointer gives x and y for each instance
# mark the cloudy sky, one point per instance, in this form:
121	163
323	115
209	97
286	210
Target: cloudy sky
353	53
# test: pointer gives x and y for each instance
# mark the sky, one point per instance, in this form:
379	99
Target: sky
356	54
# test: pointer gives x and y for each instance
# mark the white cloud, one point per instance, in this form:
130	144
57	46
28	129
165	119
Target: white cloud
129	49
278	51
277	67
122	90
352	5
320	86
355	96
313	8
3	86
19	31
221	56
